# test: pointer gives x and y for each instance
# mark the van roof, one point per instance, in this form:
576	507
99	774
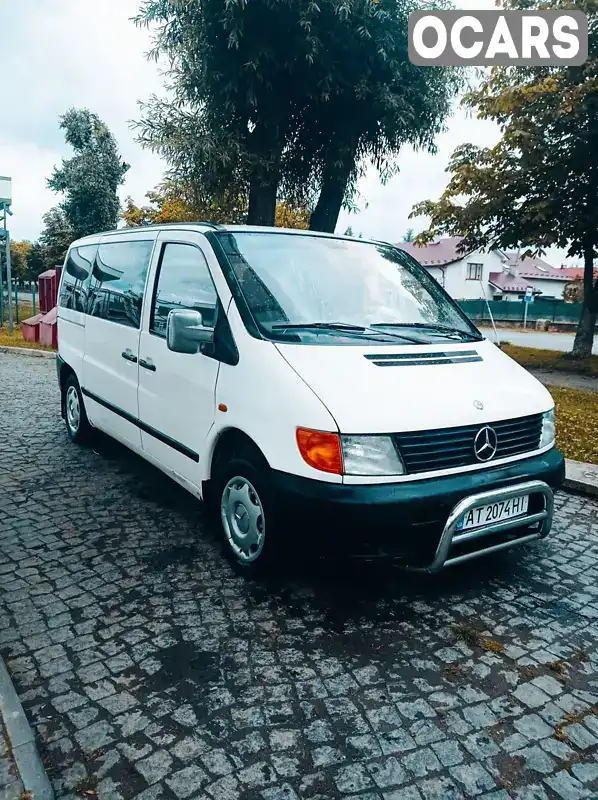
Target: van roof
204	226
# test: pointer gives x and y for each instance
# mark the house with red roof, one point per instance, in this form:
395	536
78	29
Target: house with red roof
494	275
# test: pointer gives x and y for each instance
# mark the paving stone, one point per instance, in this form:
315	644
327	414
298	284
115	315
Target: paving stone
533	727
473	777
353	778
567	787
448	752
580	736
155	767
480	745
421	763
537	760
187	781
531	695
388	773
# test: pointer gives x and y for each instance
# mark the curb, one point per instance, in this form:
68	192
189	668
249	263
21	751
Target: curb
22	741
28	351
581	478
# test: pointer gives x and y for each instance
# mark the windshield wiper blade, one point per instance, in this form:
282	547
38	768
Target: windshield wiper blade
442	329
340	326
332	326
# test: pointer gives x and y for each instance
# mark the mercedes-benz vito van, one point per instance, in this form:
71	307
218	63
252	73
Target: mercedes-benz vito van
319	390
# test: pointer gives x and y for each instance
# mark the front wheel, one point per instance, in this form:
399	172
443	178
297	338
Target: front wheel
77	424
247	516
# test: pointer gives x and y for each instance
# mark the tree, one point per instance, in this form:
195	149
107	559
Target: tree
538	186
287	98
90	179
349	231
288	216
18	259
378	102
409	235
56	237
174	201
36	262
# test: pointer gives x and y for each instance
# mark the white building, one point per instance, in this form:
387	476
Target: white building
494	275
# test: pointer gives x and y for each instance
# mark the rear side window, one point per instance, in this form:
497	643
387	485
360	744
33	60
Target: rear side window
184	282
118	282
75	281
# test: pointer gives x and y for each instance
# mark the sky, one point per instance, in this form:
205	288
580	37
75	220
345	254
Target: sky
63	53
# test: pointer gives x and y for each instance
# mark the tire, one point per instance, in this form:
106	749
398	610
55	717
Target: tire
75	416
247	516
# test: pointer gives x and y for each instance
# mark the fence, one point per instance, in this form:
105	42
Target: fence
25	302
556	311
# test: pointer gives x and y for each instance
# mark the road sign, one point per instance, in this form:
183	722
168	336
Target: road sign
529	295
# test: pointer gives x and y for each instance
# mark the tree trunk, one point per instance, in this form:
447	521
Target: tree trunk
340	163
262	200
266	150
584	338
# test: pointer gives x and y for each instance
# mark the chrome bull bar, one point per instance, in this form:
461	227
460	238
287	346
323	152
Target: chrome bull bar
450	537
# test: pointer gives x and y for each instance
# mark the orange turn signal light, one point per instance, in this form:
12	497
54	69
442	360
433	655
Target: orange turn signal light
321	450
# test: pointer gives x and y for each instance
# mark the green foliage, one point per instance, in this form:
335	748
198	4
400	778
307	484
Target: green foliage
174	201
36	261
409	235
538	187
18	259
288	98
56	237
90	179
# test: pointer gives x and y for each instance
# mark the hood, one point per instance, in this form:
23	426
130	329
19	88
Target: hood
389	389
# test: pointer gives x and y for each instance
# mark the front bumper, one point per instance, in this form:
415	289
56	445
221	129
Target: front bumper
416	521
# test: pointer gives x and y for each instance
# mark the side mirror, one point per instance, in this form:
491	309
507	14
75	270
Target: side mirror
185	332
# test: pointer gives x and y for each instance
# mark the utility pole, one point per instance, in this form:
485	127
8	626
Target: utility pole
5	203
6	236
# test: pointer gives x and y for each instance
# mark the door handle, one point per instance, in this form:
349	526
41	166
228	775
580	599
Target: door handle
147	364
128	355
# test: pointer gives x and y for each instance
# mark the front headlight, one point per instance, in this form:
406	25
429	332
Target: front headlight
547	436
371	455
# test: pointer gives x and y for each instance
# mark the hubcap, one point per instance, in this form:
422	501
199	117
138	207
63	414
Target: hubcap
73	410
243	519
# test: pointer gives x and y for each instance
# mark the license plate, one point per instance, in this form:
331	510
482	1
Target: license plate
494	512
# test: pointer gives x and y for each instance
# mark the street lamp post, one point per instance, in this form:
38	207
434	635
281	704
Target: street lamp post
6	236
5	203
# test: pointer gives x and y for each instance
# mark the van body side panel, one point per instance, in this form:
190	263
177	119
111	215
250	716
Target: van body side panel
267	400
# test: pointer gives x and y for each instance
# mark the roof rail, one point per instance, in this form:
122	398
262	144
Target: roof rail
137	228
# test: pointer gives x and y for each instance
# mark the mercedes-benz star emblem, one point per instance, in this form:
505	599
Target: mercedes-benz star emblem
477	404
485	444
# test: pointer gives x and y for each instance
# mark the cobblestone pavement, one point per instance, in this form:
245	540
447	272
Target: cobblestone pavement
150	671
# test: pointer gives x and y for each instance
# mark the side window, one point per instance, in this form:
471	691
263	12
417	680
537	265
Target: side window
184	281
75	281
118	282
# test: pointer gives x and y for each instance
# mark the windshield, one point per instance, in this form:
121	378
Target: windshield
298	287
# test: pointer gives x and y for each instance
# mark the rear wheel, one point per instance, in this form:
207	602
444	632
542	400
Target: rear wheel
77	424
248	517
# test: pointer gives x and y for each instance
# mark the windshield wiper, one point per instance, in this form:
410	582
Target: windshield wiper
333	326
443	330
346	327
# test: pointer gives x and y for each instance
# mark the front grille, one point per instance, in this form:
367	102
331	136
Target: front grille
447	448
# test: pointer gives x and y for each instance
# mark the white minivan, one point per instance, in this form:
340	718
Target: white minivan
320	391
